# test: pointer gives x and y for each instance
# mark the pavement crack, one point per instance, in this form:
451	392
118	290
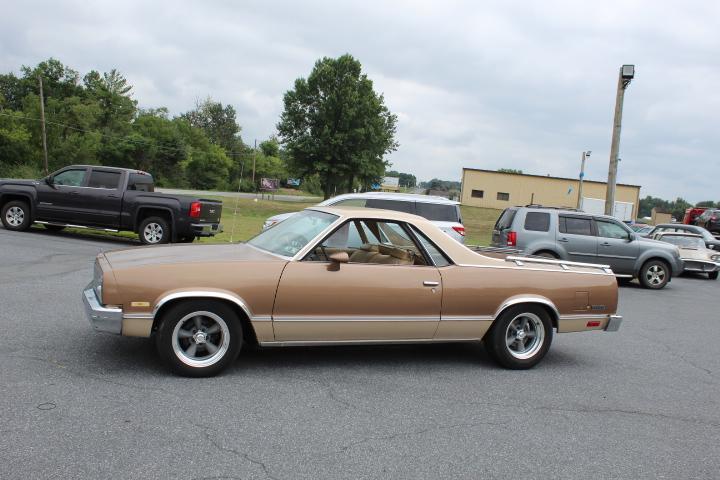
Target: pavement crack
678	355
237	453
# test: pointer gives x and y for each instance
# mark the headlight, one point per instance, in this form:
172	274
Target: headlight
715	258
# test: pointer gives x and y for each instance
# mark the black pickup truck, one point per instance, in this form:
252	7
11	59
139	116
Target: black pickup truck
107	198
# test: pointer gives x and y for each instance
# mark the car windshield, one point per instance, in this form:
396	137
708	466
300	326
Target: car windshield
683	241
290	236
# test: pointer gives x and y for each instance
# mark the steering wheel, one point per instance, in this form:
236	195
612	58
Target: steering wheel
292	243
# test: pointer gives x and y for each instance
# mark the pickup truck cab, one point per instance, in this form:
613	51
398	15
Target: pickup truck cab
107	198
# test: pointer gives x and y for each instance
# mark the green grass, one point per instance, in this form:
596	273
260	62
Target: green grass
242	218
479	224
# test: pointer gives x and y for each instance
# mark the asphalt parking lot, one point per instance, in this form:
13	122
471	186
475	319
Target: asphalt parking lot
640	403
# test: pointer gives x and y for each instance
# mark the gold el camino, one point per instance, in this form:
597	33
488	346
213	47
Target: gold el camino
337	276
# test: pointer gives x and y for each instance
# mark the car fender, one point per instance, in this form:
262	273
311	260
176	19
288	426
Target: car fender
656	253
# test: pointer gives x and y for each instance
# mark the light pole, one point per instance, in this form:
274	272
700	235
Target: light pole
585	155
627	73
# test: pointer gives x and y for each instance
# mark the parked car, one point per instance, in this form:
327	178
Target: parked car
640	228
339	276
574	235
691	215
696	256
710	240
110	199
710	220
441	211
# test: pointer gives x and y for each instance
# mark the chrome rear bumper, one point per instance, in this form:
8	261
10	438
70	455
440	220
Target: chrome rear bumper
102	318
614	323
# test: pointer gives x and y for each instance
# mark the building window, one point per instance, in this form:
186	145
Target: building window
477	193
503	196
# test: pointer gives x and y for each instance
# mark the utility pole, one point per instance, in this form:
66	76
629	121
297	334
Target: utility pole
42	122
254	151
582	177
627	73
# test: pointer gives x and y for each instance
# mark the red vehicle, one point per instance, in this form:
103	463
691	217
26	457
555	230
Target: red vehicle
691	214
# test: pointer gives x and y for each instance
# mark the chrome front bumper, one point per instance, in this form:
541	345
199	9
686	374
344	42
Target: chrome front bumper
102	318
614	323
701	266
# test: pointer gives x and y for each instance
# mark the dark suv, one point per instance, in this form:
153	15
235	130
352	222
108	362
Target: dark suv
710	219
583	237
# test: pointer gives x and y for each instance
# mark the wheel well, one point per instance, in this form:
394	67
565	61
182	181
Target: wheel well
10	197
549	310
248	331
659	259
152	212
540	252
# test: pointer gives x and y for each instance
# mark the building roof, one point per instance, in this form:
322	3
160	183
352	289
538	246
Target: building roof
545	176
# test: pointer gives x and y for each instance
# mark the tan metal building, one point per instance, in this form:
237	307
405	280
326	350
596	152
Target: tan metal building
492	189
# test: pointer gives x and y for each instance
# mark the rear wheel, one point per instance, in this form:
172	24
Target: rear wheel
655	274
199	338
154	230
521	337
16	215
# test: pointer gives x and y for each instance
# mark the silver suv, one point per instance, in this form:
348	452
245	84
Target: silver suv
442	212
583	237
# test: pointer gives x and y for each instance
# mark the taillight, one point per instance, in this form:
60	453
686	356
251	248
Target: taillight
459	230
195	209
511	239
713	218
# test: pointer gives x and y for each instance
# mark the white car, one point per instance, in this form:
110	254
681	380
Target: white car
442	212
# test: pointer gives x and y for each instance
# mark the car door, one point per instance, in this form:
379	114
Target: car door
59	200
576	235
102	198
616	246
387	291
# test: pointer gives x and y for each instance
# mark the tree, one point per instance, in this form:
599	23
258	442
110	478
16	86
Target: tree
335	125
219	123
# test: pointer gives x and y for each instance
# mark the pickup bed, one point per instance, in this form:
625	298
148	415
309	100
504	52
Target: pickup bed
107	198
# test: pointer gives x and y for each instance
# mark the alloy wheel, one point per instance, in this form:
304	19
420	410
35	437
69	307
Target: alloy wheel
655	275
524	335
200	339
153	232
15	216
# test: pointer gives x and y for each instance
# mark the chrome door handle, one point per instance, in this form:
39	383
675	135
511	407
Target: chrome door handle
564	240
605	244
428	283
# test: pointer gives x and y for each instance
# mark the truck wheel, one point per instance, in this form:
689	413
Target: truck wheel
154	230
520	337
199	338
654	274
16	216
713	275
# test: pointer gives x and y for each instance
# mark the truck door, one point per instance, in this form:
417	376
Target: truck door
102	199
60	200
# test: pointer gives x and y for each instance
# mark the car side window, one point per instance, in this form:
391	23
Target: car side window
70	178
438	258
608	229
370	241
104	179
575	225
396	205
140	183
537	221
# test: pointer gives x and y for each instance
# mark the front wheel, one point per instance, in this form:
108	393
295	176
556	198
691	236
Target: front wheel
520	337
655	274
16	216
199	338
154	230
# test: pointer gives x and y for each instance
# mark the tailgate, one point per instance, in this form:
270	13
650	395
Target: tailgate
210	211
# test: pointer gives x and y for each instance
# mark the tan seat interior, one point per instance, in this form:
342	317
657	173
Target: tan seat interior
384	254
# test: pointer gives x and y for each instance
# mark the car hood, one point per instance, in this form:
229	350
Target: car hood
184	254
697	254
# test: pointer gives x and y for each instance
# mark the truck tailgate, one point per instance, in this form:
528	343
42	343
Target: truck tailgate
210	211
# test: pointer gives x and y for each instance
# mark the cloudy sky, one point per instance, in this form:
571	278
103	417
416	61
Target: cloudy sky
484	84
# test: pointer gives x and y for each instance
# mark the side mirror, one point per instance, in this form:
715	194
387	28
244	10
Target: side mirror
336	259
632	237
49	181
